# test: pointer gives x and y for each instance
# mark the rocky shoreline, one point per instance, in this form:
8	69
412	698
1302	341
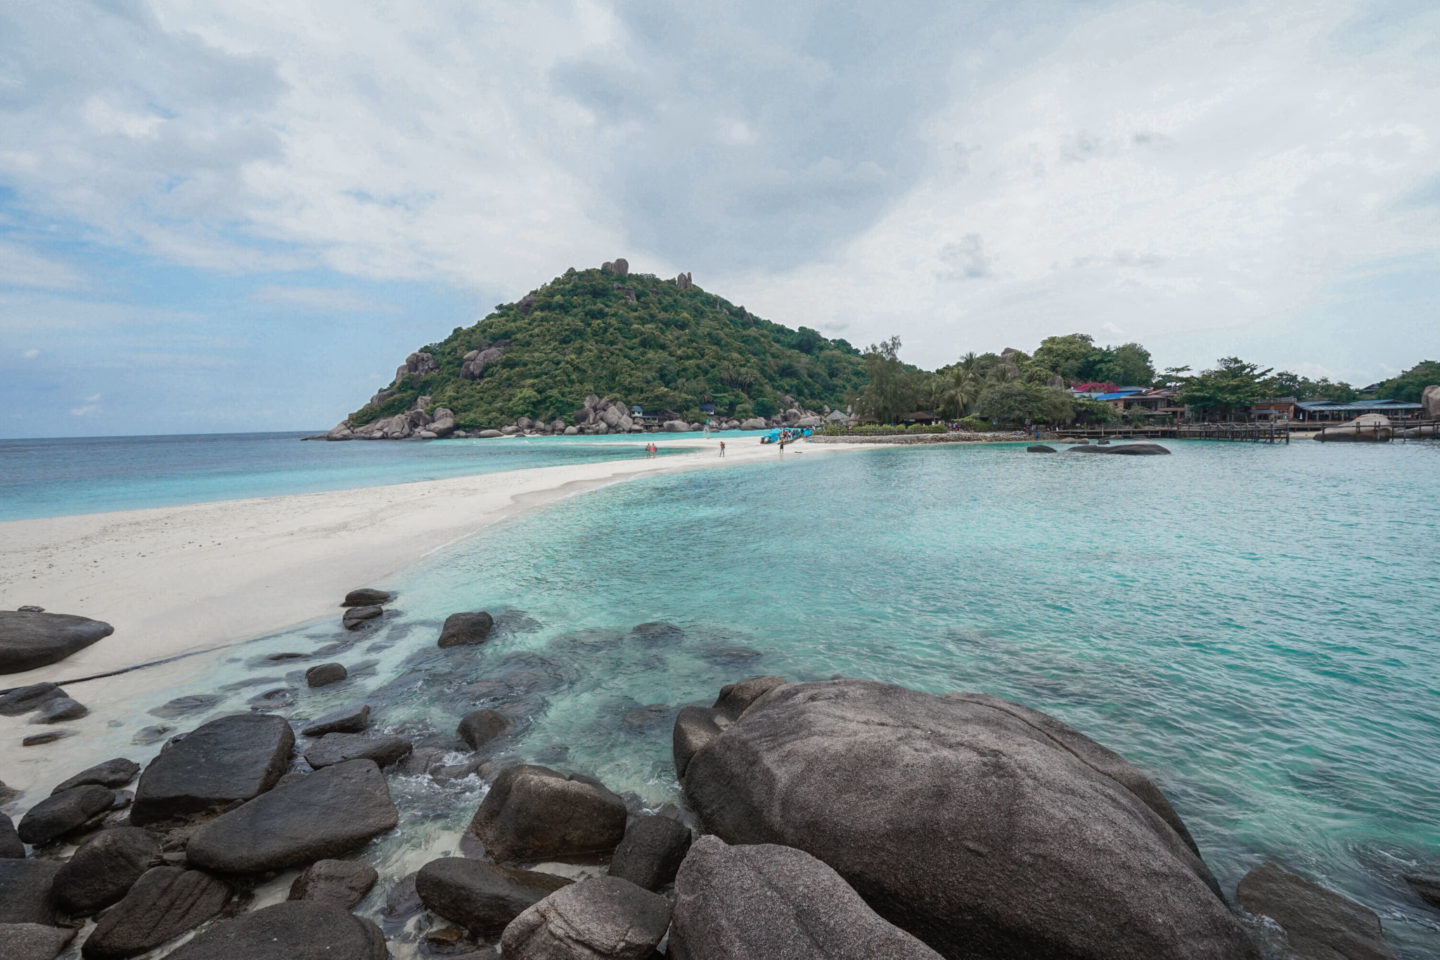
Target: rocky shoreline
835	819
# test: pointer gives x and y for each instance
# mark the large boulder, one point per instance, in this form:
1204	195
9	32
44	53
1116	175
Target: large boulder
652	851
324	814
479	727
228	760
352	719
1124	449
754	423
57	815
771	901
367	597
465	628
482	897
164	903
112	773
29	640
986	829
22	700
604	918
293	930
25	891
324	674
1319	924
341	882
11	846
104	869
1430	402
676	426
533	813
336	748
33	941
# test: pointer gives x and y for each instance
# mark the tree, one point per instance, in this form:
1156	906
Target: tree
1232	386
1067	355
1128	365
1014	402
894	388
1410	385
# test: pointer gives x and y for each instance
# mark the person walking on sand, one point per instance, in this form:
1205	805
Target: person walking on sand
722	448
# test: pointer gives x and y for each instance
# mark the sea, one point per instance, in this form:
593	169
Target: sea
1256	627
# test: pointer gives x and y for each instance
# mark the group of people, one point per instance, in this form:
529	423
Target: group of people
651	451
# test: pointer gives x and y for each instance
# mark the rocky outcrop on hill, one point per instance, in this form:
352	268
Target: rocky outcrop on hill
29	639
1045	842
684	281
619	266
473	365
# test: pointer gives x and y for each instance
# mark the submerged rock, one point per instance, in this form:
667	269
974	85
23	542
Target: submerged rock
325	674
29	639
25	891
1426	885
1039	448
293	930
318	816
479	727
57	815
771	901
112	773
219	763
40	739
22	700
1045	842
33	941
482	897
533	813
163	904
356	617
184	706
651	853
104	869
341	882
59	710
604	918
465	628
1319	924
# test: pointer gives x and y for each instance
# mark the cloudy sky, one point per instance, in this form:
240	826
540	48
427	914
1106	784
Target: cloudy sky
242	215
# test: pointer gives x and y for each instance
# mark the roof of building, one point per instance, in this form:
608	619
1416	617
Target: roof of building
1358	405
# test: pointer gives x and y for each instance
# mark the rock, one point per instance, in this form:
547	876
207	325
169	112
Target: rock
148	735
510	431
163	904
336	748
420	364
489	434
694	728
651	852
33	941
349	720
619	266
22	700
341	431
29	640
771	901
112	773
325	674
1319	924
443	426
356	617
367	597
604	918
809	422
1043	840
40	739
181	706
104	869
1124	449
465	628
222	762
676	426
324	814
1426	885
341	882
479	727
736	698
1430	402
482	897
1040	448
59	710
754	423
293	930
684	282
533	813
55	816
25	891
571	431
11	846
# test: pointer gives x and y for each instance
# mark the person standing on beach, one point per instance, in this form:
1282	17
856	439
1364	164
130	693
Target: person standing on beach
722	448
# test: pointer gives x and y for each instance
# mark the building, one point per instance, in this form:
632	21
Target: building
1329	411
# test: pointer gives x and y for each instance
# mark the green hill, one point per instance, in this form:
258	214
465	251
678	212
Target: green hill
665	345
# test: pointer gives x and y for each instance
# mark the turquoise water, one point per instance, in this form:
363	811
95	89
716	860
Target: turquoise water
48	478
1256	627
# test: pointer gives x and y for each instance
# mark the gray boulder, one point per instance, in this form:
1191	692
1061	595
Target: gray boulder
754	423
533	813
676	426
604	918
1039	448
356	617
341	882
22	700
1043	841
367	597
771	901
651	853
60	710
348	720
293	930
25	891
1124	449
694	728
736	698
491	434
479	727
466	628
164	903
33	941
482	897
112	773
57	815
1319	924
11	846
322	815
325	674
1430	402
336	748
218	764
104	869
29	640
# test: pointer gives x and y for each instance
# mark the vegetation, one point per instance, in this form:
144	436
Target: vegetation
667	350
1411	384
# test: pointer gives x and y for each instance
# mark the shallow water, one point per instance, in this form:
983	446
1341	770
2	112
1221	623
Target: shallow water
1254	626
51	478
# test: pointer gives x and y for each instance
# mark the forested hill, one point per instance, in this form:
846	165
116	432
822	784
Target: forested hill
665	345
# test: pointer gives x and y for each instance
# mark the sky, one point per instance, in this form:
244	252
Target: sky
220	216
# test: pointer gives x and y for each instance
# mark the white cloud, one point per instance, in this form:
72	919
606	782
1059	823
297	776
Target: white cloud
89	405
322	298
31	354
22	267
